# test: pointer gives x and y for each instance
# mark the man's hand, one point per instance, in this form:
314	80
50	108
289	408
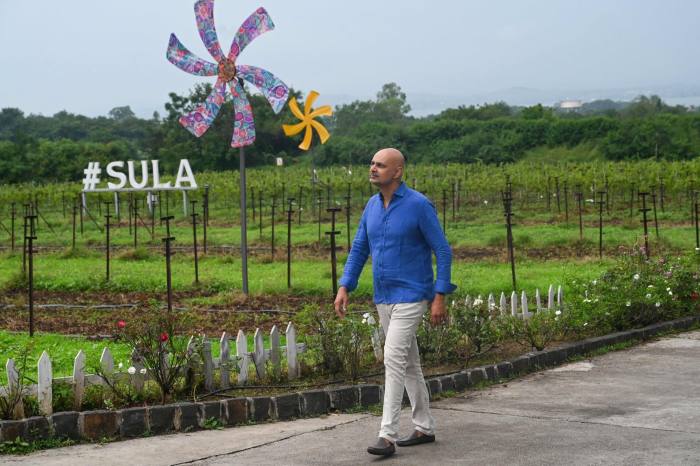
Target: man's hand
438	310
341	302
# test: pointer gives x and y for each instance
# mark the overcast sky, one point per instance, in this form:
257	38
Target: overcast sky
88	56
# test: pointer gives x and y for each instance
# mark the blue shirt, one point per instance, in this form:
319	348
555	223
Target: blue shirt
401	240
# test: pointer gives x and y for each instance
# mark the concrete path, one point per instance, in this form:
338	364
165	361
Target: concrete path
634	407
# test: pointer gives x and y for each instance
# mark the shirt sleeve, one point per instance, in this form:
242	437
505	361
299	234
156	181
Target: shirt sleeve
358	255
433	234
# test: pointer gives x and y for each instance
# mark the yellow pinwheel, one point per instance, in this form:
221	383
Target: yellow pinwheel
308	121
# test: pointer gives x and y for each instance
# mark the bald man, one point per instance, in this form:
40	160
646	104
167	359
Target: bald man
399	228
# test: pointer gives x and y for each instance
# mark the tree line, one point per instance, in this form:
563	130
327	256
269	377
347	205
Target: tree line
57	148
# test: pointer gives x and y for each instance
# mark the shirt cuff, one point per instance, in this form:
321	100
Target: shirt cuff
444	287
348	283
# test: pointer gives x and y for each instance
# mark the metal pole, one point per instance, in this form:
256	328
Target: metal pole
644	209
13	213
334	260
168	271
290	200
244	224
135	207
566	202
107	228
656	220
507	203
30	288
272	224
444	211
300	204
347	216
260	216
194	240
631	199
75	215
601	202
579	200
697	229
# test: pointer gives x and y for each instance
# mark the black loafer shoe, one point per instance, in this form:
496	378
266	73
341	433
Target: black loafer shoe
416	438
383	447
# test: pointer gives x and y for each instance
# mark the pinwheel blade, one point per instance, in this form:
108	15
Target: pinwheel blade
294	107
291	130
306	142
179	56
256	24
274	90
310	99
243	125
323	133
204	12
200	119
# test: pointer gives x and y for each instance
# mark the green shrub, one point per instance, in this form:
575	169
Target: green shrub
337	346
638	291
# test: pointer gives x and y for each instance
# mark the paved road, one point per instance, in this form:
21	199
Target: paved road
634	407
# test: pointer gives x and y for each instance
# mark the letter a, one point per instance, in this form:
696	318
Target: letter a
184	173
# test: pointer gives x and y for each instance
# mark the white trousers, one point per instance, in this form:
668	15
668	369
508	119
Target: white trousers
402	368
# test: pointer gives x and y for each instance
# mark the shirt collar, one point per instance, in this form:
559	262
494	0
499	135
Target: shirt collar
400	191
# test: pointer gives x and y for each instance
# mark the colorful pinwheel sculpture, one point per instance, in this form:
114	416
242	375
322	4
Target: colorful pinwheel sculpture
308	121
228	72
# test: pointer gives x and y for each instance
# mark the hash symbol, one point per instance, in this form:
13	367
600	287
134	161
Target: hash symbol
92	176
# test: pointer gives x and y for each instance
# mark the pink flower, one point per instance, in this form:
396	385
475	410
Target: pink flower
121	324
164	337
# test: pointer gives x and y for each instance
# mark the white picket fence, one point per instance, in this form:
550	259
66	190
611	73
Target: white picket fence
554	302
243	360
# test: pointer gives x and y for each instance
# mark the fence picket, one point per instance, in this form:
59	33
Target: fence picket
242	356
513	304
44	387
550	298
523	305
106	363
275	352
560	297
13	387
137	379
502	303
292	365
208	365
259	354
191	369
538	300
78	380
491	302
224	356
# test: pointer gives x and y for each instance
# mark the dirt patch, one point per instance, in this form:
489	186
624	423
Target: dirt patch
94	314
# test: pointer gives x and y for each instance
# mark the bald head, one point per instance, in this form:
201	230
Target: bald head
386	167
393	155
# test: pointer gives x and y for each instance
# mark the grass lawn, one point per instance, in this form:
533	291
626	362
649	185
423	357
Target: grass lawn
220	274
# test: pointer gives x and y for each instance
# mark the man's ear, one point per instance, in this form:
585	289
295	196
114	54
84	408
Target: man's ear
399	173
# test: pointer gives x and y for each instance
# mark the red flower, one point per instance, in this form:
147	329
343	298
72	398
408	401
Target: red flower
121	324
164	337
694	295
